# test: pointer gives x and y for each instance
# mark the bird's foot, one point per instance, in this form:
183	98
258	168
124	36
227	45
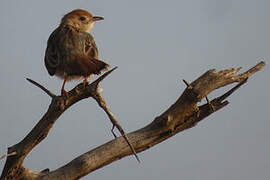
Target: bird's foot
64	93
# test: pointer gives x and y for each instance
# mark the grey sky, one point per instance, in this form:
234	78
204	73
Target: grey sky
155	44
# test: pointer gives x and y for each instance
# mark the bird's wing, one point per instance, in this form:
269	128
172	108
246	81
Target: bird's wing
91	51
90	47
52	59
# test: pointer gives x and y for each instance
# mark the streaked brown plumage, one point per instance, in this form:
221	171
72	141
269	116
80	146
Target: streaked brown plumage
71	51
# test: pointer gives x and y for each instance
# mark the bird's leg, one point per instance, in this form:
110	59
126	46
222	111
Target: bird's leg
63	92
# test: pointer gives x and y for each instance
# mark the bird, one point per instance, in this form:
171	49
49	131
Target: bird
71	51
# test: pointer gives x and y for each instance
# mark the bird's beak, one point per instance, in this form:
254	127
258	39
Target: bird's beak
97	18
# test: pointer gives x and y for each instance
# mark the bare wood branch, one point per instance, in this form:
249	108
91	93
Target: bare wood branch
41	87
183	114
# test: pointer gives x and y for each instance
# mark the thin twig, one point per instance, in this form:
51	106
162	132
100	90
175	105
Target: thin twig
209	104
101	102
41	87
96	82
227	94
187	84
113	131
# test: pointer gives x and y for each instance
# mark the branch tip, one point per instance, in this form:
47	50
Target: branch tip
41	87
187	84
255	68
96	82
131	147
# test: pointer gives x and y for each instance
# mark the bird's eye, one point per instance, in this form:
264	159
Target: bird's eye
82	18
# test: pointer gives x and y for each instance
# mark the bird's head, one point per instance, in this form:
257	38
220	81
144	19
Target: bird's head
80	19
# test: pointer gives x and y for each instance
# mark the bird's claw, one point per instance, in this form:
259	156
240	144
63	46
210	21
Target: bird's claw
64	93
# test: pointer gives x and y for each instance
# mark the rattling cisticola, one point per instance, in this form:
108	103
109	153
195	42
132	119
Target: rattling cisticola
71	50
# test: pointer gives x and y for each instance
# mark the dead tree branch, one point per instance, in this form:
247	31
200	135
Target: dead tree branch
183	114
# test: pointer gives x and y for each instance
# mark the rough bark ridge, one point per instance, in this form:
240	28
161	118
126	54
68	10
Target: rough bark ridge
183	114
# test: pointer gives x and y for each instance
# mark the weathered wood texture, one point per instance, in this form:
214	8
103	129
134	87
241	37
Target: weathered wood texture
183	114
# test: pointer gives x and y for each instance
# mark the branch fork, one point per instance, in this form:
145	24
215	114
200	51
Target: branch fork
182	115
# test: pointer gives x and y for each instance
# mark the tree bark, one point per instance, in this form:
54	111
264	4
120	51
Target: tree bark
183	114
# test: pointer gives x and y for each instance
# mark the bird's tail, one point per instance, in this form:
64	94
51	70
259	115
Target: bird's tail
86	67
100	66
